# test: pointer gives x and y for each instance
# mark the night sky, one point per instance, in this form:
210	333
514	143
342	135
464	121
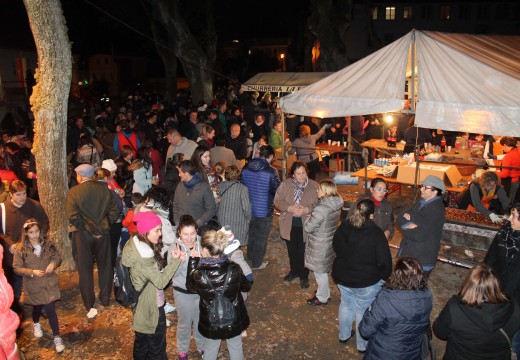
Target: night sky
92	31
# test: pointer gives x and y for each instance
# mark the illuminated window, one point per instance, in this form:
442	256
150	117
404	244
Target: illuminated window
373	12
464	11
407	12
390	13
445	12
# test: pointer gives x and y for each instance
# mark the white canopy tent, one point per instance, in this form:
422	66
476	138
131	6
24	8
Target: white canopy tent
466	83
282	82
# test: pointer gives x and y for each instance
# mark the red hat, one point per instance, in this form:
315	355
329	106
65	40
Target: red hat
146	221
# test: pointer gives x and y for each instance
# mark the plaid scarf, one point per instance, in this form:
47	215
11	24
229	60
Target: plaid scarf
510	241
298	189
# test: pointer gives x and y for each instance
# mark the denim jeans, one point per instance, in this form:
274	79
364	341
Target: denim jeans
516	342
259	229
354	302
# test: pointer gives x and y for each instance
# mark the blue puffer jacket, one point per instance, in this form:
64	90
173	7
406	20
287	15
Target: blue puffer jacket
262	181
395	324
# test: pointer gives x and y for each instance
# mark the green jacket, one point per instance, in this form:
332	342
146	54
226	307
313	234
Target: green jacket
145	272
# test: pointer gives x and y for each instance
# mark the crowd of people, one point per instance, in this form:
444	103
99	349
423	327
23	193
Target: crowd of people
184	195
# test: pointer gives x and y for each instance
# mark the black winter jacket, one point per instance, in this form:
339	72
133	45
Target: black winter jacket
423	242
502	256
216	272
395	324
362	255
473	333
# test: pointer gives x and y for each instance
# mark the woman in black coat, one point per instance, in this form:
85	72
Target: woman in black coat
397	320
472	321
206	275
362	263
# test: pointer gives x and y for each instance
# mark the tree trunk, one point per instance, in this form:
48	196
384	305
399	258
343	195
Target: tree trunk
49	105
329	22
197	63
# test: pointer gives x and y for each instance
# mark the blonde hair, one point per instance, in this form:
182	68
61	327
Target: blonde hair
362	213
215	242
328	187
480	286
232	173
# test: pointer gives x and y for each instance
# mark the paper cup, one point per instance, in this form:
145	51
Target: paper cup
344	143
329	141
449	148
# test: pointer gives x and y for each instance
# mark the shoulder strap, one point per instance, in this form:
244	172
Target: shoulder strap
230	186
506	336
205	276
3	217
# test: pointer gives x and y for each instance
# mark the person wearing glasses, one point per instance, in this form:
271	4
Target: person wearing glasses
422	225
384	211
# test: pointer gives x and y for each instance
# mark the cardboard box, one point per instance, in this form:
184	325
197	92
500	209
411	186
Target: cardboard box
277	161
333	166
448	173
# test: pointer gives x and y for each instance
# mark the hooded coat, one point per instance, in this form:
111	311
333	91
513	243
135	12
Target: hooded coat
321	227
195	198
395	324
146	277
473	333
216	272
262	181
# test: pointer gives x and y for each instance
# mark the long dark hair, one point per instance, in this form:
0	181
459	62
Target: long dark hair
157	250
26	244
407	275
197	161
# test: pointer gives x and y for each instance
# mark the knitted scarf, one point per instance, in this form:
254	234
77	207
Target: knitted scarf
298	189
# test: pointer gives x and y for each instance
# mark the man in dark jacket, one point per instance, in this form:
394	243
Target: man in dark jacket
237	143
262	181
422	225
91	209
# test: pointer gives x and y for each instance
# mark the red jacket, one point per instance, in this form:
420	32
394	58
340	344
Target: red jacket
512	158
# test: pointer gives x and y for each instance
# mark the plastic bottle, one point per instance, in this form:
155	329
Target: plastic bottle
443	144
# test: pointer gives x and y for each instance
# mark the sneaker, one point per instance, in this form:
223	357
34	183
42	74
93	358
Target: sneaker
183	356
304	283
169	308
289	277
262	266
58	343
316	302
37	330
92	313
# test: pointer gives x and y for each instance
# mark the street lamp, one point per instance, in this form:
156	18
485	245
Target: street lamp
282	57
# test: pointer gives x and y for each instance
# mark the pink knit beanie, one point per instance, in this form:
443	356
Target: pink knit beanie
146	221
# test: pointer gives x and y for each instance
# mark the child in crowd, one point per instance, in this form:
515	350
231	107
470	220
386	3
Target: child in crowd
128	221
150	275
188	243
207	273
36	259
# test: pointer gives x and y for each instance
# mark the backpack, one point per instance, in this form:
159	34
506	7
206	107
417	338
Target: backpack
221	312
124	290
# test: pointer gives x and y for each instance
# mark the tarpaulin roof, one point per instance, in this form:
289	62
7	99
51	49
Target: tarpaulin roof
465	83
282	81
